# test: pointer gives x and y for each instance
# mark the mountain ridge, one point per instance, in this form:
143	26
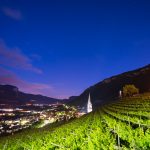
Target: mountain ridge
10	94
102	92
108	89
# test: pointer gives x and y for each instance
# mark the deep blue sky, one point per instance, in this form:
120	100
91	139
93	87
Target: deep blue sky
58	48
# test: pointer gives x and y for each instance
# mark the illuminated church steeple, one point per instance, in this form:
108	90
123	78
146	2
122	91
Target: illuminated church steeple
89	104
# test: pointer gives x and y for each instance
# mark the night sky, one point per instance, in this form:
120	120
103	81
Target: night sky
59	48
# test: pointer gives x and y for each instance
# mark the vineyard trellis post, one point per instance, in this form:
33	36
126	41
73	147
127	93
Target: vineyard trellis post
128	119
118	139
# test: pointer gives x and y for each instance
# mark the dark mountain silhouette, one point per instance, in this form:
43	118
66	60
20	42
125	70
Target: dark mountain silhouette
108	89
103	92
11	95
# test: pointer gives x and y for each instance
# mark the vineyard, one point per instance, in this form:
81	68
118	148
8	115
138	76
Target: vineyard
121	125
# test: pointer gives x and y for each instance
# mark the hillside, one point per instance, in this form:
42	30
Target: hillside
11	95
122	125
108	89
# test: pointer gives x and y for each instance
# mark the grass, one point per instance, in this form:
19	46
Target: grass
121	125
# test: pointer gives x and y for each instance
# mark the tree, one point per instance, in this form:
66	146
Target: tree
130	90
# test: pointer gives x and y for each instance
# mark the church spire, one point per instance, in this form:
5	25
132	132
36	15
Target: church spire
89	104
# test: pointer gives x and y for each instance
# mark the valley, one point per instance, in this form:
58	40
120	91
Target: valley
121	125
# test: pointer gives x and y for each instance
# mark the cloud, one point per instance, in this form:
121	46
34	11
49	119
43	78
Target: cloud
35	56
8	77
12	13
13	57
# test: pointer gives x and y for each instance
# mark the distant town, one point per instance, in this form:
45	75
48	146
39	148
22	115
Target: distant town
17	118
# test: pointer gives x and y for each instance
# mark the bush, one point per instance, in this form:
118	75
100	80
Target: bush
130	90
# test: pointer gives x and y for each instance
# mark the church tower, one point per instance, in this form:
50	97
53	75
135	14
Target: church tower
89	104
